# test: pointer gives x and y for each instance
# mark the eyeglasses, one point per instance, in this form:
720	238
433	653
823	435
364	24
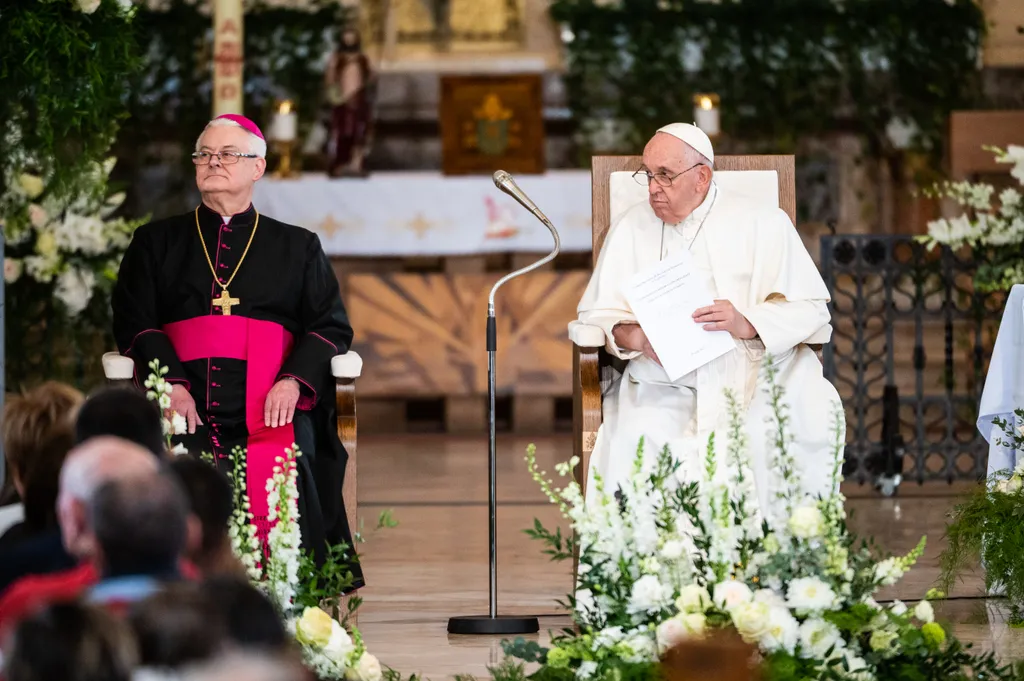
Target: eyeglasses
226	158
644	177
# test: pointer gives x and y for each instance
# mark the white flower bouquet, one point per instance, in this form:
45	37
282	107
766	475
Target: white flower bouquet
992	225
986	528
664	559
70	248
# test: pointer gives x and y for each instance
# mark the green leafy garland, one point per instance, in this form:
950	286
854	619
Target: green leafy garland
785	69
64	65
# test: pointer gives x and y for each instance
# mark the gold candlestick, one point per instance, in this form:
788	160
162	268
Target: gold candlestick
284	167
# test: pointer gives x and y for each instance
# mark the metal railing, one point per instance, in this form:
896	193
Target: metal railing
908	356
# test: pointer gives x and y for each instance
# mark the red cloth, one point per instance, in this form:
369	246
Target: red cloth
34	592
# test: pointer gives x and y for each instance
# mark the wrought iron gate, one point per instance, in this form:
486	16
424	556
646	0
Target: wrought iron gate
909	352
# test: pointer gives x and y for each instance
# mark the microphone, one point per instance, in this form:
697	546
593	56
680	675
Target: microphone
503	181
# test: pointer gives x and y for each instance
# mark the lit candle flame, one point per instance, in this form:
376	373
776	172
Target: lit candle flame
706	104
285	107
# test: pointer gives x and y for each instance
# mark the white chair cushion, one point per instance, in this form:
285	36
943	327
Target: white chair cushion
586	335
349	365
117	367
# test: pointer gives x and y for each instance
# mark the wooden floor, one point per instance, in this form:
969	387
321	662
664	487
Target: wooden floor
434	564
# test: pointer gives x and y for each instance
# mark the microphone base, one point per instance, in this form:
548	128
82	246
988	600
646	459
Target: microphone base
485	625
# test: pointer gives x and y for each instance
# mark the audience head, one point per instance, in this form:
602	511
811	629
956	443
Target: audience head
249	618
140	525
71	642
125	413
29	420
210	498
249	666
87	468
177	626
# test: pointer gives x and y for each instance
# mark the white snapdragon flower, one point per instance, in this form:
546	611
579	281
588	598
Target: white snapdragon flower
817	637
179	450
179	425
898	608
888	572
586	670
810	594
673	550
340	645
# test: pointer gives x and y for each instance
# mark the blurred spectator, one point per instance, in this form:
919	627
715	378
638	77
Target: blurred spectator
28	420
140	528
71	642
86	469
211	501
250	620
177	626
125	413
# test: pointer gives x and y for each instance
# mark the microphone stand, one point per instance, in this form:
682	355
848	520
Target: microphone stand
491	623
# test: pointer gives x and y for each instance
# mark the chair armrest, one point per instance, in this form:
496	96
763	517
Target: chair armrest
349	365
586	335
117	367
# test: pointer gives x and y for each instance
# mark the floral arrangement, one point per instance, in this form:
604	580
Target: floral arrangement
664	559
994	228
70	246
292	580
987	526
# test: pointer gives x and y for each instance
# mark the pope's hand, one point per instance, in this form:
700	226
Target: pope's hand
182	403
632	337
722	316
281	400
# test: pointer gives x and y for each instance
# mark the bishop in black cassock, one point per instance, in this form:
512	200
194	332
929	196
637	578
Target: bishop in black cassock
246	313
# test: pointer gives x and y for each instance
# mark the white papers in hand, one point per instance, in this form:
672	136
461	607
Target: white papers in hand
664	298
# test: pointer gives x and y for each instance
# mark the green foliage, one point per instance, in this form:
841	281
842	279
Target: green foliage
559	548
785	69
325	585
284	50
64	76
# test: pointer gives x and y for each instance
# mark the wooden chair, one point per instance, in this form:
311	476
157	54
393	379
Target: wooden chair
345	369
768	178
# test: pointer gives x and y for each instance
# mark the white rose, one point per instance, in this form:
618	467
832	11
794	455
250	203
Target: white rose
672	632
770	598
730	594
12	270
807	522
924	612
340	643
672	550
751	620
1013	485
367	669
817	638
87	6
693	598
31	185
782	631
899	608
37	215
648	594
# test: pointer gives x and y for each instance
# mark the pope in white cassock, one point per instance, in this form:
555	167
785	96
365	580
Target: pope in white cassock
768	295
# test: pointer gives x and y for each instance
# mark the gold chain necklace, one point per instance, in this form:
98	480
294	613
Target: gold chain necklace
225	302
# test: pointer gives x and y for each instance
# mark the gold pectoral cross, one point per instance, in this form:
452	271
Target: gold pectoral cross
225	302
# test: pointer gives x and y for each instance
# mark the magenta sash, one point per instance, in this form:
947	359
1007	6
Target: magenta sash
264	346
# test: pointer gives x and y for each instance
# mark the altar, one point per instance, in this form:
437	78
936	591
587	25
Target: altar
406	214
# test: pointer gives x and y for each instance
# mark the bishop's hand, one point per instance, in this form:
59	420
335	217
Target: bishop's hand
723	316
631	337
182	403
279	408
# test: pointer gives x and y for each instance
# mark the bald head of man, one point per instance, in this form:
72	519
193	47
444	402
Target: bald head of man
87	468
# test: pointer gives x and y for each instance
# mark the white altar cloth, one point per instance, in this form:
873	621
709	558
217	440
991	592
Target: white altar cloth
1004	385
426	213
